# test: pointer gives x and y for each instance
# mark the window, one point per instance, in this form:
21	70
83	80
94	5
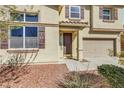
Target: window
17	16
31	34
26	17
23	37
31	17
107	14
74	12
16	37
31	31
17	31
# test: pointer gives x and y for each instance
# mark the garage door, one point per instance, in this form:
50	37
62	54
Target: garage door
97	47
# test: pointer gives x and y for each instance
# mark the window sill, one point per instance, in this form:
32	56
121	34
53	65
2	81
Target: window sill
109	21
77	19
23	50
26	22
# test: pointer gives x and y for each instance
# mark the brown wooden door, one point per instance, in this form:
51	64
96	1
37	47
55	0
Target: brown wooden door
67	37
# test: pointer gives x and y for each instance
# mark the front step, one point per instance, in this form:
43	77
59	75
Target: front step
68	56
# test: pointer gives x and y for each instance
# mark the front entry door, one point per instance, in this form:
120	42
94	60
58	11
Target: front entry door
67	37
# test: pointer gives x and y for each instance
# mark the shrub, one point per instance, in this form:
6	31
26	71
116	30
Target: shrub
110	52
113	74
73	80
82	80
121	58
12	69
121	54
121	61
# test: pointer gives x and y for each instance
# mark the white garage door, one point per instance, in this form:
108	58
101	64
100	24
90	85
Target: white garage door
97	47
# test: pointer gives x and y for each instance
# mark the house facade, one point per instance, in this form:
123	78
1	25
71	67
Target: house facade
57	32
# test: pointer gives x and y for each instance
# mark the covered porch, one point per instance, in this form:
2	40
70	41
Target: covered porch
70	39
69	44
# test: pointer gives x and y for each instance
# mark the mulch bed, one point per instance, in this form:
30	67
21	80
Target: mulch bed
45	75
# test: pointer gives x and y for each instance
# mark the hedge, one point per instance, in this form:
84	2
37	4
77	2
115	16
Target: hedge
113	74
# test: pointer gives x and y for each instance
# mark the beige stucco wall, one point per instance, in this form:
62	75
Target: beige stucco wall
53	51
80	46
74	45
50	53
102	34
61	47
86	33
75	33
47	14
98	23
86	15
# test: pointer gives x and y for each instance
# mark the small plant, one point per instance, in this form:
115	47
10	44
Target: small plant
121	61
15	60
121	54
110	52
121	58
82	80
73	80
113	74
12	69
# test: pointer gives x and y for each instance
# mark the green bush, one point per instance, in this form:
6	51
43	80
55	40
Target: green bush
110	52
121	54
114	75
121	61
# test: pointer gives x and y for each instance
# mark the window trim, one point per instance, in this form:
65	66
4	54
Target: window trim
70	12
110	14
24	14
24	20
32	13
24	38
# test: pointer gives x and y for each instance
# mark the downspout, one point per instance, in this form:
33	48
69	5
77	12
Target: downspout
78	45
91	15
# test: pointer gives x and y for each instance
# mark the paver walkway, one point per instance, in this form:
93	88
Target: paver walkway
90	64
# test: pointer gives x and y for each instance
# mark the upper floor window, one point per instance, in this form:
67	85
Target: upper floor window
107	14
17	16
74	12
31	17
26	17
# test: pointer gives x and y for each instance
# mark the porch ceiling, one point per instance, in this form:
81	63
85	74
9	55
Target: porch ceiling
69	29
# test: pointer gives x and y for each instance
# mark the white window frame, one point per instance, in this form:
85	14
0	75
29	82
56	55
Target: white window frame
110	14
9	35
24	14
37	36
24	20
75	12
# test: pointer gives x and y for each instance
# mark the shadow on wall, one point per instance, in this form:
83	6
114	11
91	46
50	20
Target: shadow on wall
53	7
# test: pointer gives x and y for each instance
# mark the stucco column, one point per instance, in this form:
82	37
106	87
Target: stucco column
61	48
118	44
80	45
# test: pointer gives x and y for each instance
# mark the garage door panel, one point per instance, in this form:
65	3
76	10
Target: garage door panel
97	48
